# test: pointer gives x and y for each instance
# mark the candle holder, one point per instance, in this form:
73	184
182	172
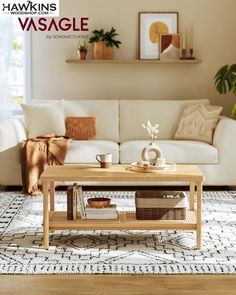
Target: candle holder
191	54
184	54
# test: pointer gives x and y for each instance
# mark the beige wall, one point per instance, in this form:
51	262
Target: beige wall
215	43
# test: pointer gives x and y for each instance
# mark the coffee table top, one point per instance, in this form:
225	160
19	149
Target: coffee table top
119	173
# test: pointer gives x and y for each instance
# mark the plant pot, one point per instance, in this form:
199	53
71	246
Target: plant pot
82	54
101	51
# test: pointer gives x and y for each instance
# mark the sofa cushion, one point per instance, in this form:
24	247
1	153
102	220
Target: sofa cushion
85	151
81	128
180	152
105	111
198	122
45	118
133	113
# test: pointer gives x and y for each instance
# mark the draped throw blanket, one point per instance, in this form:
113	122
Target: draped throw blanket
36	154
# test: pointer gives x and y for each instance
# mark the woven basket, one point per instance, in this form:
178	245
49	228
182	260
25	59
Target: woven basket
158	205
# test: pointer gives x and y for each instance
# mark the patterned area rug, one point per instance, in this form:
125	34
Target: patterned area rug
115	252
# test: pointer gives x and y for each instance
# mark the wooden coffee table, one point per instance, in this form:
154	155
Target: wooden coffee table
90	174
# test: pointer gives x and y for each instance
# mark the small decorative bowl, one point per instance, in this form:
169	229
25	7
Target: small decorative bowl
99	202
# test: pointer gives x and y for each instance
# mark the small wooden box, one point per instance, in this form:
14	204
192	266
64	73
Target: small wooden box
160	205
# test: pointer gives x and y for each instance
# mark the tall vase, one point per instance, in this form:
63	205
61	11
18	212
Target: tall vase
151	148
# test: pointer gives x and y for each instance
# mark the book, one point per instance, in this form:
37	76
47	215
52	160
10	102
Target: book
80	202
70	203
102	215
110	209
74	204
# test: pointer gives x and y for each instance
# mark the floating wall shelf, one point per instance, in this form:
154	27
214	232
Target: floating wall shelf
131	61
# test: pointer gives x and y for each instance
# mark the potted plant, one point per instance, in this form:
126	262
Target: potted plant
225	81
104	43
82	49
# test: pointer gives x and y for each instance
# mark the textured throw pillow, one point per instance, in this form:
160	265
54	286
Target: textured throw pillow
198	122
45	118
81	128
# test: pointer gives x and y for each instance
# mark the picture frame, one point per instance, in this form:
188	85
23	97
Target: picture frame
170	46
151	26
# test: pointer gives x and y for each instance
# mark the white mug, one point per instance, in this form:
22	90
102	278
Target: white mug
105	160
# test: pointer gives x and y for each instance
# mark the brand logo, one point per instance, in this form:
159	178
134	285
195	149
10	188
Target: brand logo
34	8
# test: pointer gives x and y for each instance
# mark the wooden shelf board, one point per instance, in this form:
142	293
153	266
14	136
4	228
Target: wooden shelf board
131	61
126	221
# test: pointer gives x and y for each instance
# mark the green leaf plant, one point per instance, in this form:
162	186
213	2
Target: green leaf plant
225	81
109	37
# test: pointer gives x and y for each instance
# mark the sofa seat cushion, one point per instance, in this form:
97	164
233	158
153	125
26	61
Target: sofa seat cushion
85	151
180	152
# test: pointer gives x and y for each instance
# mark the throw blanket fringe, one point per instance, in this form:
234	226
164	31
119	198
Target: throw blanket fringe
36	154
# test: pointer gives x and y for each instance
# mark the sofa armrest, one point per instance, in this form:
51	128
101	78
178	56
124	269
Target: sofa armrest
225	141
12	132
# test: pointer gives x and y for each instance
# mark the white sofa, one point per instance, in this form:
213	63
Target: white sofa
119	132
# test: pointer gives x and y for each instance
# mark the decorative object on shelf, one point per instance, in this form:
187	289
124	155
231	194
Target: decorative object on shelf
188	50
147	168
191	45
161	162
104	43
170	46
152	147
105	160
183	51
191	56
151	26
99	202
82	49
225	81
160	205
184	54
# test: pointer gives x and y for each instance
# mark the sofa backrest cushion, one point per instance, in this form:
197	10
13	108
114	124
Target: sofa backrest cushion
133	113
105	111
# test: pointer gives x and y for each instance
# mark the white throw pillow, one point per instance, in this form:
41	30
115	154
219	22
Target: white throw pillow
45	118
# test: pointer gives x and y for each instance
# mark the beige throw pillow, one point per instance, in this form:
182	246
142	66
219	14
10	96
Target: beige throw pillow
45	118
198	122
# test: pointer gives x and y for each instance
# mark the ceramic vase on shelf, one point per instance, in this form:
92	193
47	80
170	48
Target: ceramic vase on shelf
148	151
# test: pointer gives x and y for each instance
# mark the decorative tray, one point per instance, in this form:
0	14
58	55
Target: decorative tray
139	167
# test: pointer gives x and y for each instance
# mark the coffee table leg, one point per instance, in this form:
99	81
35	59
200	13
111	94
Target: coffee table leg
199	215
45	215
192	192
52	194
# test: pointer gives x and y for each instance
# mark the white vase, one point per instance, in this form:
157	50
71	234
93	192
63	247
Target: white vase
151	148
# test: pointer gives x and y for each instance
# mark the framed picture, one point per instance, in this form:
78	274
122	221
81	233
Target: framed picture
170	46
151	26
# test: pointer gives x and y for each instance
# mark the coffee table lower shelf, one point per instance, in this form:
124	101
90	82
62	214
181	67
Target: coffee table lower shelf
126	221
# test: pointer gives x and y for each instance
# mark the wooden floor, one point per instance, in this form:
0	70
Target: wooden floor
118	284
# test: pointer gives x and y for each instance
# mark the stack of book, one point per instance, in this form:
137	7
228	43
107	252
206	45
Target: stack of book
101	213
75	202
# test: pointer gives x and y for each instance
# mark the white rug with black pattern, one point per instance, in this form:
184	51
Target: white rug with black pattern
115	252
